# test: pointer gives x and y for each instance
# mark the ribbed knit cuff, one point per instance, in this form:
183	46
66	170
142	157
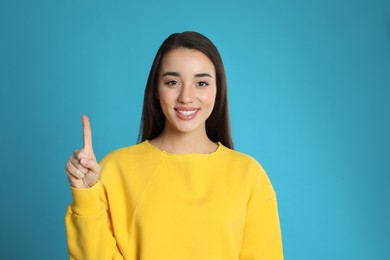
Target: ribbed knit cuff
86	201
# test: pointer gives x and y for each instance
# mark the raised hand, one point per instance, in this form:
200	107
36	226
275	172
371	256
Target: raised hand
82	168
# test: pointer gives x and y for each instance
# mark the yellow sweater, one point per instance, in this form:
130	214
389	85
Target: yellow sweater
153	205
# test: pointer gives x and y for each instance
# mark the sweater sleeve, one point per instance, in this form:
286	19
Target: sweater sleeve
88	226
262	235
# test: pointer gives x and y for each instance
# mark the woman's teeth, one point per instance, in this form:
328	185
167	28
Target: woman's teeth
186	113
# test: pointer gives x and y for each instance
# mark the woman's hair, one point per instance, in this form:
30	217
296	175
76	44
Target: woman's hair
153	119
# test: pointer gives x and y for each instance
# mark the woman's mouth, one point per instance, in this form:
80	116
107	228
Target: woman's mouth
186	113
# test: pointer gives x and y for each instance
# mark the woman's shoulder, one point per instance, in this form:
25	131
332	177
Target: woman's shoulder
236	159
238	156
245	166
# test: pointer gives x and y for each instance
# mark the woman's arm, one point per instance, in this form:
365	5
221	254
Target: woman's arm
262	235
88	226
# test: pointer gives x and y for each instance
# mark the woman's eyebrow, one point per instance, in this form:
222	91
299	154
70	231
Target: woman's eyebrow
201	75
169	73
176	74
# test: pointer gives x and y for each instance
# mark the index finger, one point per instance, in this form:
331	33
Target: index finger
87	133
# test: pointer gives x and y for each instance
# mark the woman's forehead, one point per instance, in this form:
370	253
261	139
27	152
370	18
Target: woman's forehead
183	61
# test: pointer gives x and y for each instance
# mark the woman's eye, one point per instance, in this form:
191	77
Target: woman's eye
202	84
172	83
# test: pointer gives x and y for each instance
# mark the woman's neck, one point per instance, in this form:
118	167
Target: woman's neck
184	143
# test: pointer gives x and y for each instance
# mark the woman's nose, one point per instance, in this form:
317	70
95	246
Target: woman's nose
186	95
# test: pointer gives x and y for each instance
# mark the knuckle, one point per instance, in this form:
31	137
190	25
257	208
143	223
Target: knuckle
80	155
83	170
72	159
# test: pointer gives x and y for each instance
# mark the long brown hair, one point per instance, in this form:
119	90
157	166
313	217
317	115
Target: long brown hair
153	119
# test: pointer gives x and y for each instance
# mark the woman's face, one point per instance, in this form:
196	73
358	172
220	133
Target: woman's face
186	90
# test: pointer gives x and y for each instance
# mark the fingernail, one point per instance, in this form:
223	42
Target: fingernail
83	161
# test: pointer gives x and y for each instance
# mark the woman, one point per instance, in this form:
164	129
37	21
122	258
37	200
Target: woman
182	192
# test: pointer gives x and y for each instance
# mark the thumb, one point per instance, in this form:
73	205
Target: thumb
87	133
92	165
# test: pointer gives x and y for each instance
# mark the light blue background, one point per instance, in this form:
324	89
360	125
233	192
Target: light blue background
308	91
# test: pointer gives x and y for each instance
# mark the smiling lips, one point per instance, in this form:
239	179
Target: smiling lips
186	113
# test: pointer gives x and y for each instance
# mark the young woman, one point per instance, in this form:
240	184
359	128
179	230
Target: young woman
182	192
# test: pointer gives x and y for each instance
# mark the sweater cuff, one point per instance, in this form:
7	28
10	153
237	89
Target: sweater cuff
86	201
